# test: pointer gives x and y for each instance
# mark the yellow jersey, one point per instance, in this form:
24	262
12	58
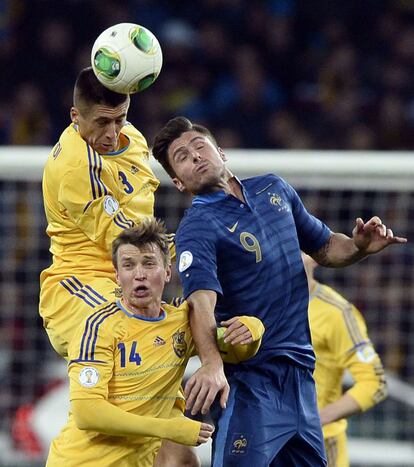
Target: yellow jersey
340	341
90	198
134	363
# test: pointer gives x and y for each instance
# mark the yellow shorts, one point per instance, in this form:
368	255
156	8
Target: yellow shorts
336	451
65	301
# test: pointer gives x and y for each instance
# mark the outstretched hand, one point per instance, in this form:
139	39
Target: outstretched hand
203	386
373	236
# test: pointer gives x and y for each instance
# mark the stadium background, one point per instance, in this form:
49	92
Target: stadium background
276	75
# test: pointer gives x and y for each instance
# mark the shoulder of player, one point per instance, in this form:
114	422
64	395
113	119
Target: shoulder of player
332	300
264	183
194	219
178	307
72	153
134	134
106	320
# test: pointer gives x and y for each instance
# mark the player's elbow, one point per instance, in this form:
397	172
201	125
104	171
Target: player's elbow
83	423
82	416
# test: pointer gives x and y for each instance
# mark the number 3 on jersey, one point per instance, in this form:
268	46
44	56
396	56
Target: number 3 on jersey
128	187
134	356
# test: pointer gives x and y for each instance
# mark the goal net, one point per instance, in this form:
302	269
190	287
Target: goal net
336	186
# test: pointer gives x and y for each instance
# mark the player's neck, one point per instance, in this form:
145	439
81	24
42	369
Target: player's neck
312	284
234	188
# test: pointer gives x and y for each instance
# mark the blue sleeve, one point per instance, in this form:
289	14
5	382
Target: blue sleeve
312	232
195	242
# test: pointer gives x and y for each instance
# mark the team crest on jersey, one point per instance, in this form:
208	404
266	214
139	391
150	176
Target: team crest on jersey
134	169
276	200
239	444
89	377
111	205
186	259
179	343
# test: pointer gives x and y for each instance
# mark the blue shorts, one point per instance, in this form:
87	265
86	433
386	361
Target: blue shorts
271	420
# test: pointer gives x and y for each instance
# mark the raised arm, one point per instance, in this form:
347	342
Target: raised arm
367	238
209	380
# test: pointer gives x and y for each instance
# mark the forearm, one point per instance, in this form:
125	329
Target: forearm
102	416
342	408
339	251
203	326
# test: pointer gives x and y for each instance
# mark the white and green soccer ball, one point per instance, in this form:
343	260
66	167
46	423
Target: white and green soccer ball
126	58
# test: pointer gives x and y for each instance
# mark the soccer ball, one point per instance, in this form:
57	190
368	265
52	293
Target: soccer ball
126	58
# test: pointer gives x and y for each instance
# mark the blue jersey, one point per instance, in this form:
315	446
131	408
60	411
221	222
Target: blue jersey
249	253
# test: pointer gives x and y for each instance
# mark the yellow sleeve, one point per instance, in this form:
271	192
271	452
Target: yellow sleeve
90	198
91	359
101	416
354	351
254	325
241	352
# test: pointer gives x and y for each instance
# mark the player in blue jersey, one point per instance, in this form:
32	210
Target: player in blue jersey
238	248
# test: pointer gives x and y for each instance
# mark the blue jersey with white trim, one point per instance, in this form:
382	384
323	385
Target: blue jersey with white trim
249	253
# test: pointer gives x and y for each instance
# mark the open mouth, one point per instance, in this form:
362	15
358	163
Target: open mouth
141	291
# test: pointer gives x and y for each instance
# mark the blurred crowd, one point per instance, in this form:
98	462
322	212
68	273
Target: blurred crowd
303	74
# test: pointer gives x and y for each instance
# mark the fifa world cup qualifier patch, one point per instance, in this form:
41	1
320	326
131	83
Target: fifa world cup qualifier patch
186	259
110	205
89	377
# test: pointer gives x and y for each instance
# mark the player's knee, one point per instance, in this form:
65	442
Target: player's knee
176	455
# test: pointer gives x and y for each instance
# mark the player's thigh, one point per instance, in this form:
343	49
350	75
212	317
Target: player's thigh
65	303
176	455
337	451
299	453
253	427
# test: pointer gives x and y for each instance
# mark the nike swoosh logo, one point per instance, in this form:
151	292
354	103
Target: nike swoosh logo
232	229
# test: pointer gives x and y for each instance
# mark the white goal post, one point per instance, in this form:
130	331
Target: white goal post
312	169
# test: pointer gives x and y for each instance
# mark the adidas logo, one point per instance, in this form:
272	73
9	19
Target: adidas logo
158	341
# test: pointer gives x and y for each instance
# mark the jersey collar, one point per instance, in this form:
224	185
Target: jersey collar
208	198
143	318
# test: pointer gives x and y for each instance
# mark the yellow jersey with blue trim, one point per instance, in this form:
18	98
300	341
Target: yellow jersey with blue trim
136	364
341	342
90	198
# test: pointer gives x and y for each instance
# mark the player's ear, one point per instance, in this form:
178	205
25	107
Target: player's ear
222	154
168	273
178	183
74	115
117	277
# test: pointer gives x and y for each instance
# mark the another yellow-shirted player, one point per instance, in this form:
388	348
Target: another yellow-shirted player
340	341
97	182
127	361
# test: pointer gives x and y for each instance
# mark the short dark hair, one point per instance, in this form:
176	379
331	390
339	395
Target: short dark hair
150	230
88	90
173	130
